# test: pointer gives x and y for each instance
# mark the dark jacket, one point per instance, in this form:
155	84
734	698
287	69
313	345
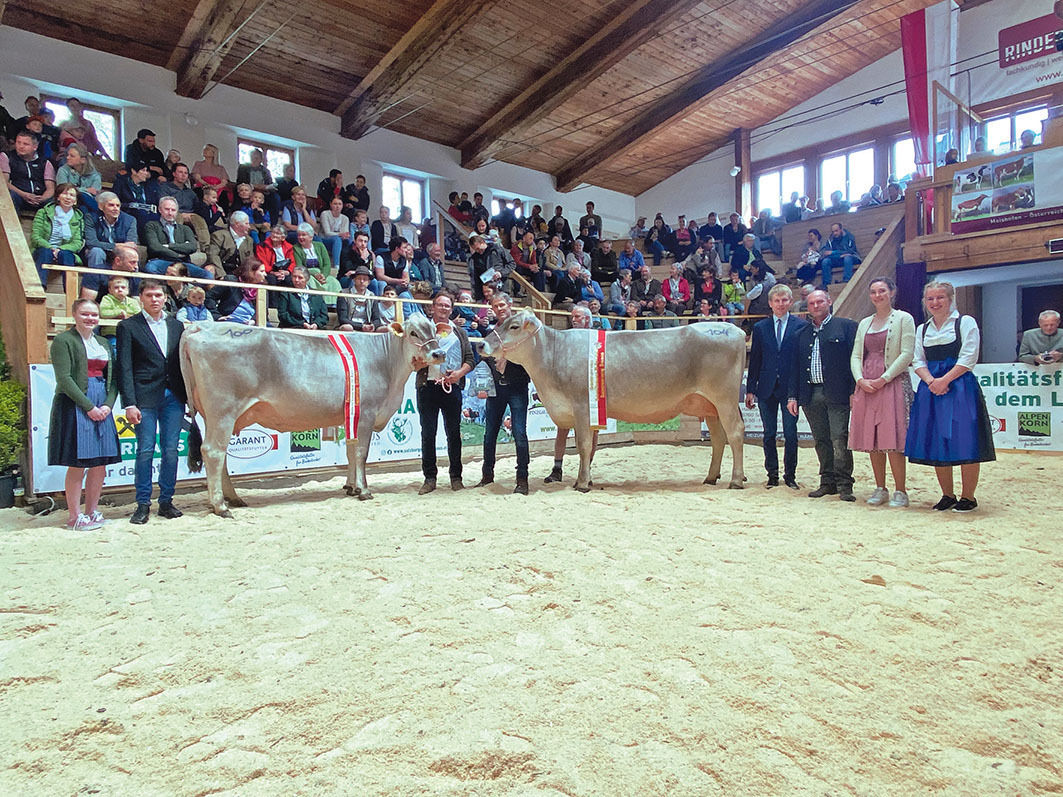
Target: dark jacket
836	340
377	233
124	231
159	246
494	256
770	365
290	311
567	289
604	266
740	259
144	373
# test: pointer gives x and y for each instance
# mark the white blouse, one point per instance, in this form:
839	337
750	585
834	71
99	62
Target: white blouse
970	339
93	349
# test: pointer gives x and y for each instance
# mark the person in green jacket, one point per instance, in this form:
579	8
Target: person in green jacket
81	432
310	253
58	232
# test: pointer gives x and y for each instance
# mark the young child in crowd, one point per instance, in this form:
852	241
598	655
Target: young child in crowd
211	211
194	308
118	303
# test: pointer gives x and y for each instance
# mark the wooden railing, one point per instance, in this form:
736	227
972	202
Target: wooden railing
854	301
23	316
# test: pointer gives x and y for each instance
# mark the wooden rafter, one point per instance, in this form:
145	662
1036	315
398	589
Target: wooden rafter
622	35
387	80
676	105
205	42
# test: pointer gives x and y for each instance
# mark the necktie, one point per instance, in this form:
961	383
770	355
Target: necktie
778	331
169	232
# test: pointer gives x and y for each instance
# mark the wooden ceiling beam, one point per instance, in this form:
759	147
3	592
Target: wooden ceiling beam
665	111
205	41
386	82
616	40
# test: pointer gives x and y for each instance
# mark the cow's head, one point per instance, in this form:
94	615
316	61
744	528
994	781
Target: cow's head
420	344
510	334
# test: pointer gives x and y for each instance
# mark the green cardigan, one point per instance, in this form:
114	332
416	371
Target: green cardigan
319	250
72	371
42	231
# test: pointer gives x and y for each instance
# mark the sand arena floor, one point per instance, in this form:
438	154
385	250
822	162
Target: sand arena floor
655	637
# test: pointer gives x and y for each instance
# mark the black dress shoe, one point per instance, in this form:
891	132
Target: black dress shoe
485	480
822	490
140	514
792	484
773	481
169	511
457	484
522	487
847	495
946	502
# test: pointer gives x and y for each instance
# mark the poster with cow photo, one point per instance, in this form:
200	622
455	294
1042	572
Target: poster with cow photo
1015	189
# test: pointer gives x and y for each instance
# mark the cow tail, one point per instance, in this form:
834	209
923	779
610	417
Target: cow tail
195	437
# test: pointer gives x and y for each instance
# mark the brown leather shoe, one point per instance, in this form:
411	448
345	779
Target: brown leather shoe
428	486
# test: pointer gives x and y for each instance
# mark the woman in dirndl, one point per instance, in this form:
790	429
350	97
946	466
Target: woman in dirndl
949	422
81	434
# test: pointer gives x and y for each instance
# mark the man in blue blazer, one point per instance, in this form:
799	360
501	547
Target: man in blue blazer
771	359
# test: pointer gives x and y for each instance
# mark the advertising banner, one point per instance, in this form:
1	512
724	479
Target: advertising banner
1025	404
1016	189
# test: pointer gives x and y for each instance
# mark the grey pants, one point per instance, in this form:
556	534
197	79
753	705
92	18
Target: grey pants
830	430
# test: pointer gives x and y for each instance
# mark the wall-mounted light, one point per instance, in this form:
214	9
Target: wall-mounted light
191	120
735	171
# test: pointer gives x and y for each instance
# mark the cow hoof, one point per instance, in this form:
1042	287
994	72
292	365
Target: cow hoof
239	503
736	486
225	513
349	490
581	489
365	496
712	480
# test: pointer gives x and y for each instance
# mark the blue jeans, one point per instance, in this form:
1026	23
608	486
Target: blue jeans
769	416
516	398
335	246
44	255
159	266
167	418
847	262
658	250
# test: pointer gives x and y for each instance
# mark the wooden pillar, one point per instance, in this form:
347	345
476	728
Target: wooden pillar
744	178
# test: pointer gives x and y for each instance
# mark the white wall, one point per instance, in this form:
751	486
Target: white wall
30	63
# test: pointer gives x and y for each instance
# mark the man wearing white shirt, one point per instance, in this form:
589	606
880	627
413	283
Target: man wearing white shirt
152	391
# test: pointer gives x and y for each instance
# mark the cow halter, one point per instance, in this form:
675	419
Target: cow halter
534	331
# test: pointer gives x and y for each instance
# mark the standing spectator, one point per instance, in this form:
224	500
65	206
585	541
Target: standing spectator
526	261
593	222
79	130
478	210
153	394
286	184
511	383
82	435
1044	345
436	395
30	176
840	250
58	232
949	423
884	347
80	173
772	357
822	384
142	150
488	262
558	225
331	187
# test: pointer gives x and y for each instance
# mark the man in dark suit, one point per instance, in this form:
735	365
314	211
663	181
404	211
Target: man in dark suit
821	383
153	394
169	241
301	310
771	359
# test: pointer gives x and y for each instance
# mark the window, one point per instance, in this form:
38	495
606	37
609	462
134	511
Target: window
1003	133
496	208
276	157
852	173
774	188
400	191
902	166
105	120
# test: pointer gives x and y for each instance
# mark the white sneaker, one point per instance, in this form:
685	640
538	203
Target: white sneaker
97	518
879	497
899	499
84	523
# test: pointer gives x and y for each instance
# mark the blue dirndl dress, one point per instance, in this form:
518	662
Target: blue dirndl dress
952	429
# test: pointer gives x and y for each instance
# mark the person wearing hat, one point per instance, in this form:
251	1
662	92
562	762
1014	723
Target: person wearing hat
354	310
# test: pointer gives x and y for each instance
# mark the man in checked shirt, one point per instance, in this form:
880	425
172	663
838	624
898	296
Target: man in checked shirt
821	383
